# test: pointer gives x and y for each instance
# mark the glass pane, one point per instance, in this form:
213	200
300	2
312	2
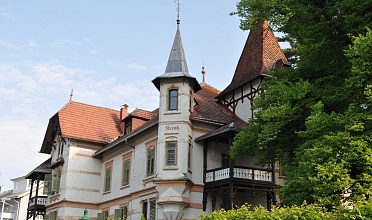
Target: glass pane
173	99
171	153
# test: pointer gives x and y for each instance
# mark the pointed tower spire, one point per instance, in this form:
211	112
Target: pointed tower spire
260	53
177	65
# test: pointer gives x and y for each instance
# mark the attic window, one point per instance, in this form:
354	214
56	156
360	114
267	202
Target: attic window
173	99
128	127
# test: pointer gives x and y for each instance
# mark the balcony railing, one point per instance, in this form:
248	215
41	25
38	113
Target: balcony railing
249	173
6	215
40	200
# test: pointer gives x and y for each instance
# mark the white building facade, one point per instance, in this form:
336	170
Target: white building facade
170	163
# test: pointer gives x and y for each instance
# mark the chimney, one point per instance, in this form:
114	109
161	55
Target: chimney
123	114
123	111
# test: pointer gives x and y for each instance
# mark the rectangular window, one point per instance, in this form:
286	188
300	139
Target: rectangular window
126	172
121	213
108	179
171	153
189	158
149	209
150	161
173	99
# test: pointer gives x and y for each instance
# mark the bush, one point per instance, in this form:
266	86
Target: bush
361	211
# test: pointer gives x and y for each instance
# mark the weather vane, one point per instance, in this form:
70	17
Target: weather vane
178	10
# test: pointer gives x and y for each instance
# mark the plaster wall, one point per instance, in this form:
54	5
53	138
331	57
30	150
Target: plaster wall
82	174
243	108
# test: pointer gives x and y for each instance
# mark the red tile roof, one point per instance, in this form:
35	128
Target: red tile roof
209	110
88	122
210	89
83	122
140	113
259	55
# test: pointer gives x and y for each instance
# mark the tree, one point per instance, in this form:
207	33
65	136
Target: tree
315	118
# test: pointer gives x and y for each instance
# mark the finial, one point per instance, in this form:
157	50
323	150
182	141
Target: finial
178	10
203	72
71	94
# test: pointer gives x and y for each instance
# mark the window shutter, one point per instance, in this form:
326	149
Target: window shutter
105	215
152	210
125	212
108	180
118	213
46	217
56	178
100	216
52	215
47	184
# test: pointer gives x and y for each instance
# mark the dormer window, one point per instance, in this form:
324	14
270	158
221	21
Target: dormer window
128	127
173	99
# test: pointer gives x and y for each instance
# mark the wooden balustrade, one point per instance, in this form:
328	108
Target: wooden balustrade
249	173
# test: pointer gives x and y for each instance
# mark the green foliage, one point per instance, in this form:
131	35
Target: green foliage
316	118
361	211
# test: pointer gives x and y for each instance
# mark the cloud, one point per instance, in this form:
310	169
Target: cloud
137	67
31	93
28	45
20	143
66	42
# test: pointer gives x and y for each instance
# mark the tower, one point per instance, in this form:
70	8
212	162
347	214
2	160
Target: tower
177	88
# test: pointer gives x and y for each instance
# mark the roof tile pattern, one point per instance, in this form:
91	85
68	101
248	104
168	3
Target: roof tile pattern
140	113
87	122
210	89
259	55
208	110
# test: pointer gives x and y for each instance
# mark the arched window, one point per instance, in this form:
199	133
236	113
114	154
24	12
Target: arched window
173	99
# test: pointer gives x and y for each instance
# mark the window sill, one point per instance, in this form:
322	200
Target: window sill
148	179
125	186
107	192
170	168
172	112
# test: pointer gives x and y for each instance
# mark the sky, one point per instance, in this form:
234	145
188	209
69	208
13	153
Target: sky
108	52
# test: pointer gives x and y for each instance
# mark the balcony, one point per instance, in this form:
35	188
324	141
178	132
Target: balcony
245	174
37	203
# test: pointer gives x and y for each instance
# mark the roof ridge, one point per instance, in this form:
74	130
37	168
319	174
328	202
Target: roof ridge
260	52
81	103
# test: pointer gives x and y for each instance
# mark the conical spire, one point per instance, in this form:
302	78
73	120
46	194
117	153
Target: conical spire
177	60
177	65
260	53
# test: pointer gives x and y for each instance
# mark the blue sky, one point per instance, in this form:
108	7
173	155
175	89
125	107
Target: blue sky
107	52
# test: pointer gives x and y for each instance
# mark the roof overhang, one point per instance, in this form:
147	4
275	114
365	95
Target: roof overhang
124	139
194	83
